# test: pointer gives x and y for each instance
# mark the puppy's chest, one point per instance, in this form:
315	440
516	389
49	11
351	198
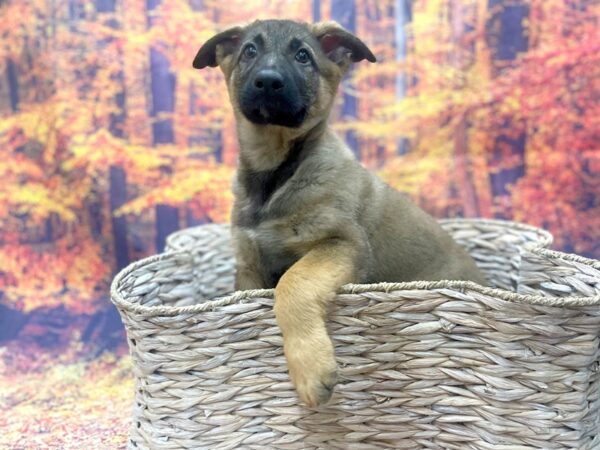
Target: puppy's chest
270	238
265	208
266	203
258	200
263	194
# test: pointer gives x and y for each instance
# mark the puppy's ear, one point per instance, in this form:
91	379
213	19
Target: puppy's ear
217	47
340	45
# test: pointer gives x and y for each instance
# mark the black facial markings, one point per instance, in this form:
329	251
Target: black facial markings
295	44
261	185
259	40
274	41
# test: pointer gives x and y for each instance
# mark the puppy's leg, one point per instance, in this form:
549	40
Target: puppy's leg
301	298
248	274
248	278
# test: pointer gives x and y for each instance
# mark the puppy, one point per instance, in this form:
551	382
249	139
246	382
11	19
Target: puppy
307	217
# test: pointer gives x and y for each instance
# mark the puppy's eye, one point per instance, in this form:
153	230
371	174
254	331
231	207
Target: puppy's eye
302	56
250	51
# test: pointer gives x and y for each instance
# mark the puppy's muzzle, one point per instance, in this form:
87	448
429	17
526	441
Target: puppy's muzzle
272	97
268	82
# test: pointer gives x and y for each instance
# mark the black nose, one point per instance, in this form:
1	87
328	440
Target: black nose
268	81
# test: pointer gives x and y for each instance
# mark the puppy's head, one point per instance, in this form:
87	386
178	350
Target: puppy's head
281	72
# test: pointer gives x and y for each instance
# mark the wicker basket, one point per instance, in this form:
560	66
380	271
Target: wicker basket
423	365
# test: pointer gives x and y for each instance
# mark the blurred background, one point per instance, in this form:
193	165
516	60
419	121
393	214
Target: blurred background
109	141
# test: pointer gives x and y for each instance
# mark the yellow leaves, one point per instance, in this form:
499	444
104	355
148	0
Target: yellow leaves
408	173
37	200
206	185
424	106
424	178
137	41
389	69
100	150
33	122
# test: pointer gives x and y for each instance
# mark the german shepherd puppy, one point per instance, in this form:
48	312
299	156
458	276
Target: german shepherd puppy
308	218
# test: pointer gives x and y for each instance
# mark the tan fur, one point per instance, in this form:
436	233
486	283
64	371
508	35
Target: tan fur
301	298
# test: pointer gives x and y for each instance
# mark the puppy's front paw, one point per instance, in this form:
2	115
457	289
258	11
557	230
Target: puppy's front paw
312	366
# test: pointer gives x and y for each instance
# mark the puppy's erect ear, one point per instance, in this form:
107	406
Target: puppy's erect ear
340	45
224	43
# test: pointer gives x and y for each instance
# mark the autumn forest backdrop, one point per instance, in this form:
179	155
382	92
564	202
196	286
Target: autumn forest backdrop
109	141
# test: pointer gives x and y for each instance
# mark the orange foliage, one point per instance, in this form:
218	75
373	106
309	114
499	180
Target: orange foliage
547	94
69	271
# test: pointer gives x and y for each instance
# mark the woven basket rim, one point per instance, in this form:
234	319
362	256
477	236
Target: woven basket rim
462	286
546	238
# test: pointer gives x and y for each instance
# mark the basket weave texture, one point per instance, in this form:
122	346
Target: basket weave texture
422	365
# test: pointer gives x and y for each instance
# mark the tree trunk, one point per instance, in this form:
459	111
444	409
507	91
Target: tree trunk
104	327
11	322
402	17
316	10
163	97
13	84
5	103
105	5
167	222
135	68
117	175
118	197
466	186
344	12
510	41
162	83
